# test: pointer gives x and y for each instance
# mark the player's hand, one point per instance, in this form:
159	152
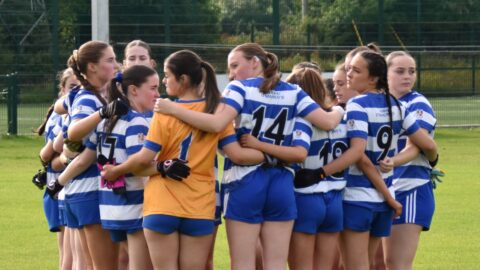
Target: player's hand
109	173
435	177
73	147
249	141
54	188
176	169
386	165
164	106
116	107
397	207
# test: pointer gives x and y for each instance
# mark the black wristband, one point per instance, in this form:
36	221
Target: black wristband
433	163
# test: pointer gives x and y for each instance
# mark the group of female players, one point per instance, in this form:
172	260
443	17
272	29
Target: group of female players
307	179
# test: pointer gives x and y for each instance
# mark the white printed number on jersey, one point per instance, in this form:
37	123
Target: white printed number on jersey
275	131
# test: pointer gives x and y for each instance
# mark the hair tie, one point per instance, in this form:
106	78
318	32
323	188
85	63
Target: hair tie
119	77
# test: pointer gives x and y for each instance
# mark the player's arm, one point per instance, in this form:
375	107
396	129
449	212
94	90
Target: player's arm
59	105
409	153
242	156
289	154
367	167
351	156
77	165
217	122
428	146
79	128
325	120
140	164
47	153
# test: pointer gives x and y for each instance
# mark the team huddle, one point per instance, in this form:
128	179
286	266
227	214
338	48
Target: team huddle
311	178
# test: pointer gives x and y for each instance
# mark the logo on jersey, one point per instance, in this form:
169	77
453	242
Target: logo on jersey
78	109
351	123
141	137
298	133
419	113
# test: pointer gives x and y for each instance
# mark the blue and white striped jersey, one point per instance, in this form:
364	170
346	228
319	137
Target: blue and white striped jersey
417	172
84	186
122	211
326	146
52	129
269	117
368	119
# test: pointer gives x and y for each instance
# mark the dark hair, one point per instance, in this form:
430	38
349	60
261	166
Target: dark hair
329	86
139	43
89	52
62	78
377	67
269	61
369	47
186	62
311	81
135	75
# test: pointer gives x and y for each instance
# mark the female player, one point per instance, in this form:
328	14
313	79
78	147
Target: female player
412	187
54	208
138	52
179	215
114	141
265	107
374	120
94	65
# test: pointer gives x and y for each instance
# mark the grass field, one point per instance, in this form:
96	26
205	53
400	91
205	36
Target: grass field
450	111
452	243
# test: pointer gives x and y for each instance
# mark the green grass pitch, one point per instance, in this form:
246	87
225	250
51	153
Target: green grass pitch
452	243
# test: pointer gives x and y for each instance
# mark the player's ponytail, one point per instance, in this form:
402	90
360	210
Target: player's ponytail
135	75
212	93
269	62
310	80
270	72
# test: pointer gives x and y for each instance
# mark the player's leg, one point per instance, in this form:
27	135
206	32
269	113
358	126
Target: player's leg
401	246
123	259
242	240
355	249
301	251
103	251
196	236
163	249
325	250
210	265
139	256
67	259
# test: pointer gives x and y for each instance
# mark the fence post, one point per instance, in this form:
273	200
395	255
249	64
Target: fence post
419	72
252	32
276	22
12	102
55	44
474	71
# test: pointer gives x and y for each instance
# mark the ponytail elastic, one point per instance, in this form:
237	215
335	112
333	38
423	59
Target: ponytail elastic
119	77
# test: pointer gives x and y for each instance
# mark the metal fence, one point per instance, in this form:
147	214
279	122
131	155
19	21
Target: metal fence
36	38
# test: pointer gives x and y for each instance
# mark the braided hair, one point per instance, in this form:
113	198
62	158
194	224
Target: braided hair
89	52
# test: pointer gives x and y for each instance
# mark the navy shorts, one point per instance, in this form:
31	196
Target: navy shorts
218	207
50	207
319	212
266	194
82	213
121	235
167	224
362	219
418	206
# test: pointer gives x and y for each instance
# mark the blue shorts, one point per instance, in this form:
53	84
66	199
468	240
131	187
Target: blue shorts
218	207
168	224
319	212
266	194
362	219
50	207
418	206
82	213
121	235
61	213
